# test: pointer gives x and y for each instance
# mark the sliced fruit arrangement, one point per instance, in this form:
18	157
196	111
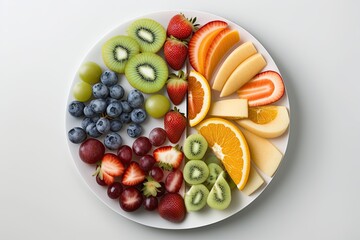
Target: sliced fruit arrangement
230	149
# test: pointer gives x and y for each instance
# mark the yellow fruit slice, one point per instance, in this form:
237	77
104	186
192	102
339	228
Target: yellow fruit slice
240	54
199	97
225	40
268	125
229	109
262	115
255	181
243	73
263	153
229	146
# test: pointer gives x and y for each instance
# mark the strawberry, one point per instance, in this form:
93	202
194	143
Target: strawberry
181	27
174	181
133	175
109	168
172	207
174	125
168	157
151	187
265	88
175	52
177	87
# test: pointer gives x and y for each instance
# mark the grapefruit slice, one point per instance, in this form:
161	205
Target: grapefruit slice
199	97
198	37
222	43
229	145
265	88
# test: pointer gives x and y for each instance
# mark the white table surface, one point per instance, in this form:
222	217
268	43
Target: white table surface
315	193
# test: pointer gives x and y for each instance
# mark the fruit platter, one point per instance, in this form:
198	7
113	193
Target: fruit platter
177	120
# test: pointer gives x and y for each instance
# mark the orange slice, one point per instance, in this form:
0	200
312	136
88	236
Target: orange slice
262	115
229	145
199	97
222	43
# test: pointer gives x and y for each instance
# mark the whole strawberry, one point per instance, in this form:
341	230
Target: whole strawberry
177	87
172	208
176	52
174	125
181	27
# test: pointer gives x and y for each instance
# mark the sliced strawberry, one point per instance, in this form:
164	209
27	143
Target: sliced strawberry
265	88
109	168
198	37
177	87
174	181
133	175
168	157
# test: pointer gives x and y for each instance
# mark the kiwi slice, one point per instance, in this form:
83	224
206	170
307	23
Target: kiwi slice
147	72
195	172
195	146
214	172
150	34
117	51
195	199
220	194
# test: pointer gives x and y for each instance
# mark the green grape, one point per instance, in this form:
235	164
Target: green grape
82	91
157	105
90	72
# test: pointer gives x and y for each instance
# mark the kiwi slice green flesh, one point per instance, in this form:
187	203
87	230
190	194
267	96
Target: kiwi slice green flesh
117	51
195	199
220	195
195	172
150	34
147	72
214	172
195	146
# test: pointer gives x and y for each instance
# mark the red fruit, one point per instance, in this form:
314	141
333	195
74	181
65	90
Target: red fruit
130	199
174	181
91	151
198	37
174	125
141	146
265	88
172	208
125	154
177	87
133	175
168	157
181	27
109	168
175	52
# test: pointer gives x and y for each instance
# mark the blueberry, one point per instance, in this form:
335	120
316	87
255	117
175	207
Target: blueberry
103	125
116	91
110	100
115	125
76	108
125	117
125	106
113	141
109	78
88	112
77	135
92	131
135	98
98	105
100	90
114	109
138	115
134	130
85	122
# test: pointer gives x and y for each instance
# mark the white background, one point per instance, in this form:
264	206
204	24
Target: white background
315	193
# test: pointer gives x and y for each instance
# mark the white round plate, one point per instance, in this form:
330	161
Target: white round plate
193	219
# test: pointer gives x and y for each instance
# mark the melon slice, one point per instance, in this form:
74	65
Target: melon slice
254	182
197	39
240	54
223	42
